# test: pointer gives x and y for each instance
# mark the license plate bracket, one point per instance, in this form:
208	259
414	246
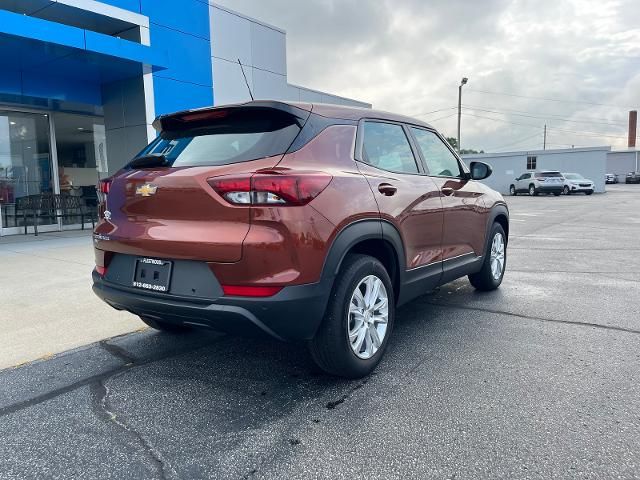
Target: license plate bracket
152	274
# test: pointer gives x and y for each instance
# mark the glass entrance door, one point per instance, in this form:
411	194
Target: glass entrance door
25	166
82	158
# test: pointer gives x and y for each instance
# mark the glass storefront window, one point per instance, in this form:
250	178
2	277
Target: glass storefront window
25	163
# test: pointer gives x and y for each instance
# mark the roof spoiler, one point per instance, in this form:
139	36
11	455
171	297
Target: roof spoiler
166	122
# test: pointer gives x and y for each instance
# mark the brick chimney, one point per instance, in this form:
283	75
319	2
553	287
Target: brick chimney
633	122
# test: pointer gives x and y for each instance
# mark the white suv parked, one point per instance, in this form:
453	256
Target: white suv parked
576	183
533	183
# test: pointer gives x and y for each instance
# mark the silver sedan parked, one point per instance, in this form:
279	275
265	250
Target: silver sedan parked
576	183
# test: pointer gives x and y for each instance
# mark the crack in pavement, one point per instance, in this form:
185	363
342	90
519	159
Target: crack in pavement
539	319
38	399
102	409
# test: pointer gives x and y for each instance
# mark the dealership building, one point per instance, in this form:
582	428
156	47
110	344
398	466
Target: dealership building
82	81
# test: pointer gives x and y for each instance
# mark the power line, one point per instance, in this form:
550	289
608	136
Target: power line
579	133
586	134
429	113
537	135
546	117
442	118
502	120
547	99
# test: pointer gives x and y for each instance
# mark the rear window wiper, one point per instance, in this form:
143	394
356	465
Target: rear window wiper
147	161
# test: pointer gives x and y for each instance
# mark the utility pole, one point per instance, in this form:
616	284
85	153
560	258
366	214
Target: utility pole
463	82
544	143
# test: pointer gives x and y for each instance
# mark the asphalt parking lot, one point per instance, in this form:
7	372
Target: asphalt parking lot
540	379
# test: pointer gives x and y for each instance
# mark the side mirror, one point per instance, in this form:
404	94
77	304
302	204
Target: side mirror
480	170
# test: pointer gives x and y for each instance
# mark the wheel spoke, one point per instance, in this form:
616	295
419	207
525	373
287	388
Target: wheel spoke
375	291
369	348
353	334
377	319
382	303
357	343
356	310
357	296
375	338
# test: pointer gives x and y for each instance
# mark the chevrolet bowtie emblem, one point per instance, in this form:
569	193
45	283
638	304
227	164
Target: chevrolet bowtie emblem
146	190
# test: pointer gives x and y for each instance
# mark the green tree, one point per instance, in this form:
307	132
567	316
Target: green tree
454	143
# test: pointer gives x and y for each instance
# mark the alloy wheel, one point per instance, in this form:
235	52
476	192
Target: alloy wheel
368	317
497	256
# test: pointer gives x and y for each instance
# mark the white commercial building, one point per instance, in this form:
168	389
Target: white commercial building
590	162
262	50
621	162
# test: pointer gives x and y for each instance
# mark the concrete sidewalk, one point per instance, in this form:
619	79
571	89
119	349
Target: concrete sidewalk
46	302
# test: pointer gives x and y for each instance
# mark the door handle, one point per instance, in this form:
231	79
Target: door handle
448	191
387	189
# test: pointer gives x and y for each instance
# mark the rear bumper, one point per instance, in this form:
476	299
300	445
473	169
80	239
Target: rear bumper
577	188
550	188
294	313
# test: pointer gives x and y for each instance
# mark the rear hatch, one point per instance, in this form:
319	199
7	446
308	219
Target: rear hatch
161	204
550	178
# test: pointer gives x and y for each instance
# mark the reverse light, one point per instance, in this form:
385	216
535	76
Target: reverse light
271	188
249	291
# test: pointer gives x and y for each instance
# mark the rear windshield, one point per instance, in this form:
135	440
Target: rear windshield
234	136
548	174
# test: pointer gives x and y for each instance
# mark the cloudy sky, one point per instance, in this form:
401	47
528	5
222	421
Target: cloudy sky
408	56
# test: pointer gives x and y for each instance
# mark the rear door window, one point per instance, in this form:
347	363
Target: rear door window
236	136
386	146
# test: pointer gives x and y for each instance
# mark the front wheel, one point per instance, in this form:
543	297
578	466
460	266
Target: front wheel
566	190
588	192
512	190
495	261
359	319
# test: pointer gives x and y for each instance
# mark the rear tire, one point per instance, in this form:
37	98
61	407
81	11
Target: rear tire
512	190
348	342
556	194
489	278
165	326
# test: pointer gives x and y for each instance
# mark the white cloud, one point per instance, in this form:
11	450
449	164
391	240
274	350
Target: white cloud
408	56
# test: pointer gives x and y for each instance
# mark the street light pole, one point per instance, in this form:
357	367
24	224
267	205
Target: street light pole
463	82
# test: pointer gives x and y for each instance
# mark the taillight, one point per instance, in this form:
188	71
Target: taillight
102	271
249	291
104	186
271	188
